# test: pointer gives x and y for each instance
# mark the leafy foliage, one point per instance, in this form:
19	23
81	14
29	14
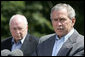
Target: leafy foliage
38	15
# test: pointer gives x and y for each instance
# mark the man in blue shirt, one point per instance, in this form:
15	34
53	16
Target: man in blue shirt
20	39
66	41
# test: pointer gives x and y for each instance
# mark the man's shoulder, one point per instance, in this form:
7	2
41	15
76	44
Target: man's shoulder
44	38
80	38
5	43
47	36
6	39
32	38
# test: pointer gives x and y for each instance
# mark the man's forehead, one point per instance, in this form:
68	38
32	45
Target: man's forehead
17	26
17	21
63	11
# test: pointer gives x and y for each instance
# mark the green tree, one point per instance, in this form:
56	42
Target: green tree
38	15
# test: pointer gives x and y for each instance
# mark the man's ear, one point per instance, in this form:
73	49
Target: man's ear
73	21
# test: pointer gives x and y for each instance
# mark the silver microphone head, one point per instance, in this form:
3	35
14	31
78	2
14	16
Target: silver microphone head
5	52
16	52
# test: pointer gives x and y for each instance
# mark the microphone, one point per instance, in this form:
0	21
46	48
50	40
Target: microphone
16	52
5	52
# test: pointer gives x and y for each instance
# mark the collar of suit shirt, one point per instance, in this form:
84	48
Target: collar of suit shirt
22	40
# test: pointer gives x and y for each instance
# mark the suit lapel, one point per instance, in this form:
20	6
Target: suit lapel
28	45
65	49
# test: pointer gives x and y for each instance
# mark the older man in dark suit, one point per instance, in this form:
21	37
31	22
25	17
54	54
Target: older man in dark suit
20	39
66	41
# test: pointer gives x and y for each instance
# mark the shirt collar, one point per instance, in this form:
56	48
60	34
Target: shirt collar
66	36
22	40
69	34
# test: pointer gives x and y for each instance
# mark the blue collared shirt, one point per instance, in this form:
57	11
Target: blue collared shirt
18	44
59	42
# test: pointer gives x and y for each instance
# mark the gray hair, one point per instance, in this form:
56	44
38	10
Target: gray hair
18	15
70	10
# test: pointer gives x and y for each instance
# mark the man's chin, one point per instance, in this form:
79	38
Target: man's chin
18	38
60	35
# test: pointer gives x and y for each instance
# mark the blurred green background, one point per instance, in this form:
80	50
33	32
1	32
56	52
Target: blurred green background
38	16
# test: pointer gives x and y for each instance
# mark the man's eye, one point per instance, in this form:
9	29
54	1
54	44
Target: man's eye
20	28
14	28
55	19
62	19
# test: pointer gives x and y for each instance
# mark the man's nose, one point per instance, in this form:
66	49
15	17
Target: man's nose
17	31
59	23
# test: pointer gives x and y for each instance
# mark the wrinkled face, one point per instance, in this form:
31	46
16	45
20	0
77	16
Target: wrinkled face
61	22
18	29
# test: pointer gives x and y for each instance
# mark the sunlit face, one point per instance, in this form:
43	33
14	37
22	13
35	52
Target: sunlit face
18	28
61	22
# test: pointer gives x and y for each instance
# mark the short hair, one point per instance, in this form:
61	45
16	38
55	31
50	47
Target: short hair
18	15
70	10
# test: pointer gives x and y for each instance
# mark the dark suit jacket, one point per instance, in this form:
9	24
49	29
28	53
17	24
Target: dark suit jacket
28	47
74	46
